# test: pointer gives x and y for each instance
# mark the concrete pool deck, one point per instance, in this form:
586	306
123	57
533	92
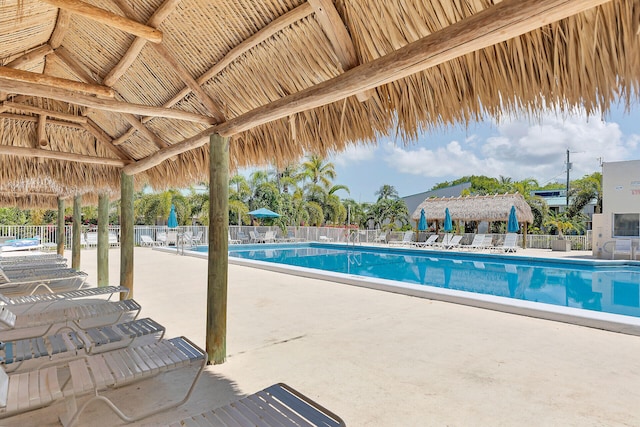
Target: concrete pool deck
381	359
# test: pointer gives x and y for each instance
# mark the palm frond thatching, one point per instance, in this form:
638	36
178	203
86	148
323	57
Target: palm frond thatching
476	208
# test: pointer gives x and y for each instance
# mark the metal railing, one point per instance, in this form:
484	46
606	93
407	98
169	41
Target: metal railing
48	234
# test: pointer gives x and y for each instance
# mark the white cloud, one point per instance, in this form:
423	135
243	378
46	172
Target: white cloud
520	149
355	154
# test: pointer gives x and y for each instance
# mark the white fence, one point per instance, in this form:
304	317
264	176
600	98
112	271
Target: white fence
48	234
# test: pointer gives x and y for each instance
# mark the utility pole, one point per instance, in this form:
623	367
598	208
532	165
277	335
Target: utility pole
568	169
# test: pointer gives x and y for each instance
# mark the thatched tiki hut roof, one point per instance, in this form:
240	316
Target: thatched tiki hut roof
476	208
90	88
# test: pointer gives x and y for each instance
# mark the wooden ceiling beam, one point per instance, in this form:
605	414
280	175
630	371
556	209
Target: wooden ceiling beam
134	50
45	112
107	18
10	150
60	30
340	39
183	73
503	21
32	89
104	138
145	131
30	58
20	117
28	77
68	59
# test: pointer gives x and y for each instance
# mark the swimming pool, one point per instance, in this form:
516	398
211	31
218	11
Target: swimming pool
593	293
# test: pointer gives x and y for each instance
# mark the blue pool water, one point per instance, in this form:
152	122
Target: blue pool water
604	287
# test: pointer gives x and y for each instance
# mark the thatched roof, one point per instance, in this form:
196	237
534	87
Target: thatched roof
284	77
476	208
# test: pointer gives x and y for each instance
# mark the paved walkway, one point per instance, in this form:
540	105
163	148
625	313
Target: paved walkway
380	359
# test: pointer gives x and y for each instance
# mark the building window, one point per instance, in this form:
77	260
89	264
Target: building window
626	225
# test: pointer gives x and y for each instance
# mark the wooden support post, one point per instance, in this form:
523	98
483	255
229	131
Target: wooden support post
103	240
524	235
60	232
218	246
126	234
77	229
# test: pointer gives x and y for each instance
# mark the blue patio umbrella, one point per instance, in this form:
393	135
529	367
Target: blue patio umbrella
512	225
448	225
422	224
172	222
264	213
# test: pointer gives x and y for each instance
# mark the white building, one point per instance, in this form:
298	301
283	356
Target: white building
620	218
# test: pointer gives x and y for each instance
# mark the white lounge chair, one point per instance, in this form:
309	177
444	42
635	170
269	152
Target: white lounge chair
381	238
431	240
95	374
25	282
161	238
234	241
196	239
28	353
407	239
242	237
454	242
68	295
269	237
147	241
277	405
21	244
477	242
510	243
254	237
623	247
38	319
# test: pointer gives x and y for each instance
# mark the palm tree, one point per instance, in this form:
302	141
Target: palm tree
319	172
583	191
387	192
239	188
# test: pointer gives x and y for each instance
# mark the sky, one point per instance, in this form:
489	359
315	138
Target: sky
516	147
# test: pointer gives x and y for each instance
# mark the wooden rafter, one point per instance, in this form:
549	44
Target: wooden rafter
10	150
190	82
42	79
145	131
72	63
136	47
111	19
34	119
335	30
60	30
493	25
32	89
103	137
30	58
45	112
